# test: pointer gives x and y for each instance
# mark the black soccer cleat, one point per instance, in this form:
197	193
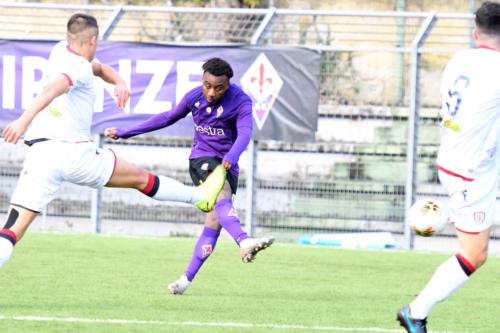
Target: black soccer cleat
412	325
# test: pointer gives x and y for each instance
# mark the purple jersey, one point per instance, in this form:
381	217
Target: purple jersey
223	128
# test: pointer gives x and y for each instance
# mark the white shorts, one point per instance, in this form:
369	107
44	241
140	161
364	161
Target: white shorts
52	162
472	203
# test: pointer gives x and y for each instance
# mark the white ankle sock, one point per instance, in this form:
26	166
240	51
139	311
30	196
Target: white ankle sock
6	249
448	278
170	189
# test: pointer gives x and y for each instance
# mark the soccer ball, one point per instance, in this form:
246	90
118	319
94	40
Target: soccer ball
427	217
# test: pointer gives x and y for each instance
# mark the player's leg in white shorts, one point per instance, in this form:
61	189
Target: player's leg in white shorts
472	203
49	163
46	166
92	166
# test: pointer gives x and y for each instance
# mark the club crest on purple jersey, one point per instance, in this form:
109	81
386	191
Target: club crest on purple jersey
262	83
220	109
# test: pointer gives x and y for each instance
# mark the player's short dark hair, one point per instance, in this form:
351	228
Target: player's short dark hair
488	18
218	67
80	21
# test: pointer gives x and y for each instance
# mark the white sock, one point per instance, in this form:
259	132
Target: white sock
173	190
448	278
6	249
247	242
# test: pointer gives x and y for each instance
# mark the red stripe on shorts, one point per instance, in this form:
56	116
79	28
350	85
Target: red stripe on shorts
451	173
116	161
468	232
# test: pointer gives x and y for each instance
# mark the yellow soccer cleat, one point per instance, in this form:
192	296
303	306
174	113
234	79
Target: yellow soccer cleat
211	188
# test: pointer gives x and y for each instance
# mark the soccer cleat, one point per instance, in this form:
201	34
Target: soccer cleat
412	325
251	246
210	189
179	286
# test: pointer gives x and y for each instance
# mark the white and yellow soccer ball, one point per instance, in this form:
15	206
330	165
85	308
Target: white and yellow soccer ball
428	217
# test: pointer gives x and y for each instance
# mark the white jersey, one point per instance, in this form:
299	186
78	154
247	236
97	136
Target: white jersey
69	116
470	130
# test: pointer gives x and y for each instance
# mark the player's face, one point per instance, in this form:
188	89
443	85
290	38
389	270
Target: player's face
214	87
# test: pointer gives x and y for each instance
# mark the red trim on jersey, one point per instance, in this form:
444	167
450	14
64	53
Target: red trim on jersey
68	78
9	233
451	173
149	186
468	232
482	46
466	263
72	51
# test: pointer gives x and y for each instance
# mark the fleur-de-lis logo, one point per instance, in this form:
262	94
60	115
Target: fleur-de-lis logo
197	104
262	83
262	78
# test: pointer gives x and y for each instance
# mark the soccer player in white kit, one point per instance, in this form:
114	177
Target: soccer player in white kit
59	139
468	161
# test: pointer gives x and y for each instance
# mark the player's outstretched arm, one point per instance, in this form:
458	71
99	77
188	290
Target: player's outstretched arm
153	123
13	131
108	74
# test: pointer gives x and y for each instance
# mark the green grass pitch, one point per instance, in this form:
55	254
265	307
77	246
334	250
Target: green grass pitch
91	283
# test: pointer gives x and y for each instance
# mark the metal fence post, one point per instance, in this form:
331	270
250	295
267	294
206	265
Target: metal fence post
111	24
250	185
253	145
263	26
411	148
95	204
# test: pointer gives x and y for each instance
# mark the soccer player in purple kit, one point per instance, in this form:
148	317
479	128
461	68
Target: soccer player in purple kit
222	115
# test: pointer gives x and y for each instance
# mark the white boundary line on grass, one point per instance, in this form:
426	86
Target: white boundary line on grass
206	324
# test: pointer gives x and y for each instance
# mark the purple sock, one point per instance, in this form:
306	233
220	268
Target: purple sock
204	247
228	219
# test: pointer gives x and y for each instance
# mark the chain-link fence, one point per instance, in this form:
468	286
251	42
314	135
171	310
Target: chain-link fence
377	69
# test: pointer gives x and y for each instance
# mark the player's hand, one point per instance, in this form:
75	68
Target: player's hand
13	131
122	94
227	165
111	133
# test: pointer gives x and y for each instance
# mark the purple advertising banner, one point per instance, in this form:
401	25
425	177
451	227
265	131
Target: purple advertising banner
283	83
